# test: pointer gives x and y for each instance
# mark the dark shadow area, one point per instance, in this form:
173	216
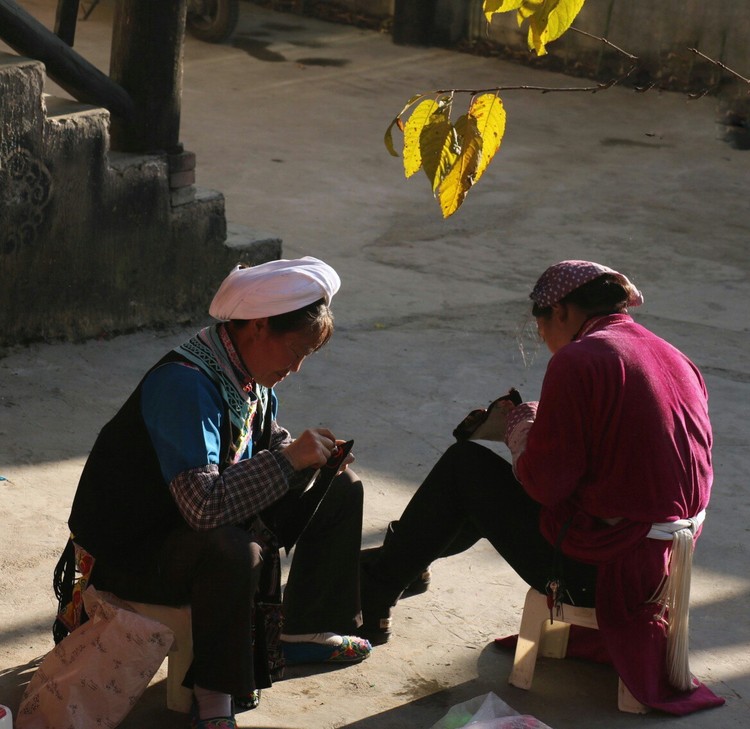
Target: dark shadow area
422	712
618	142
306	44
565	693
14	680
21	629
331	62
257	49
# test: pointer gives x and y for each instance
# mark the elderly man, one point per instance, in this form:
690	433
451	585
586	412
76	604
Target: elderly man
192	487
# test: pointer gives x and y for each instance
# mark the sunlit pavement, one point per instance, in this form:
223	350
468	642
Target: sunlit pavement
287	120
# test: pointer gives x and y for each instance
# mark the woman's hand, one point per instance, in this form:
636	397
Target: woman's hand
494	427
311	450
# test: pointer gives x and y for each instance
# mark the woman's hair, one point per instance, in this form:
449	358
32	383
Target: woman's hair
315	318
603	295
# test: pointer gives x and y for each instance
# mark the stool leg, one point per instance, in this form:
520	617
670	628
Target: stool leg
179	659
180	656
627	702
537	634
553	641
535	612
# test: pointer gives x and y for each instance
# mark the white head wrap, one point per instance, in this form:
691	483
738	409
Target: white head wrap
276	287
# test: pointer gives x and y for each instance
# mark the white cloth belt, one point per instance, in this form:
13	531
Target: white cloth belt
665	530
674	595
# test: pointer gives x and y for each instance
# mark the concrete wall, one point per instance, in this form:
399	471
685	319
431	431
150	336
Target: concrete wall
660	34
657	32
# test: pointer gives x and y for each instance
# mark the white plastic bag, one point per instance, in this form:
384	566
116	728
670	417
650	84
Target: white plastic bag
93	677
487	712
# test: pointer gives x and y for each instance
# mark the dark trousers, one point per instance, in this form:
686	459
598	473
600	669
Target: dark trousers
471	493
217	573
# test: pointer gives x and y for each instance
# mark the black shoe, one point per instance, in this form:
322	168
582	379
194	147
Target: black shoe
377	630
420	585
378	598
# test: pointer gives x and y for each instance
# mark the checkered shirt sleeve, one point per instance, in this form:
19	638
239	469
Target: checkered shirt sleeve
208	499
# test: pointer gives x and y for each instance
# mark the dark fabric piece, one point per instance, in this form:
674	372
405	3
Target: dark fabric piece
217	573
122	473
62	583
469	494
222	573
322	592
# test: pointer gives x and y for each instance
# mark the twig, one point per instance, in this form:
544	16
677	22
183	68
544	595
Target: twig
720	65
542	89
606	43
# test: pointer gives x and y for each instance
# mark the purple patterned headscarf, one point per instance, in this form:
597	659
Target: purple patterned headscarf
565	277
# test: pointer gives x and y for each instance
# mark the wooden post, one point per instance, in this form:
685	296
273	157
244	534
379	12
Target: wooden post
65	20
146	60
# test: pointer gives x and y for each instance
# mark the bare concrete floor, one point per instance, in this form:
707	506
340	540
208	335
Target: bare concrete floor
288	121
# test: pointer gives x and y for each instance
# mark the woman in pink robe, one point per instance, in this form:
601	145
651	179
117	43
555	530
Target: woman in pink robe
610	463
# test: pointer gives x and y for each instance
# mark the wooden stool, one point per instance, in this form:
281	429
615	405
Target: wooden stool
538	635
180	656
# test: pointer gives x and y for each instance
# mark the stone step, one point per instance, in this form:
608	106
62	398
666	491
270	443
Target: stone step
21	86
58	107
94	241
242	239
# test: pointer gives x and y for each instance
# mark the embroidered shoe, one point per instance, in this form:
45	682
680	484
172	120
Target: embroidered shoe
218	722
222	722
352	649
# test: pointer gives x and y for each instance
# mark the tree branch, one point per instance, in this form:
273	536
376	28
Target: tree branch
606	43
720	65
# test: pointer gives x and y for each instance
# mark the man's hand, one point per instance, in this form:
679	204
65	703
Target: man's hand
345	463
311	450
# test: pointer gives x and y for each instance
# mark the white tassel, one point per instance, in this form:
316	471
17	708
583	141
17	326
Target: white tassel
674	598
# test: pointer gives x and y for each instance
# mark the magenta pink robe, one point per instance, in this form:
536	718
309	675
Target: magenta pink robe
622	431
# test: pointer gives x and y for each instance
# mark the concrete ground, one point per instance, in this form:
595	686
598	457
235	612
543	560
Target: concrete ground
288	120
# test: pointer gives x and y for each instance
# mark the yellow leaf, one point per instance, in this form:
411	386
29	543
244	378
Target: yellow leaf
458	181
549	20
561	17
412	132
389	138
490	7
439	146
414	98
399	122
489	113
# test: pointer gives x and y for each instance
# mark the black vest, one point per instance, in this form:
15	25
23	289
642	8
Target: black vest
123	510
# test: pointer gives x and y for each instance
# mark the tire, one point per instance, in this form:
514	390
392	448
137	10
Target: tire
212	21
